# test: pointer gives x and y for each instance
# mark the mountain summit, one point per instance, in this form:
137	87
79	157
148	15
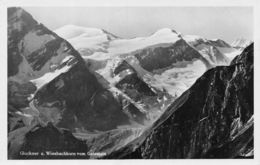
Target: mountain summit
241	43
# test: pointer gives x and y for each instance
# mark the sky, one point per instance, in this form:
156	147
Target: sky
227	23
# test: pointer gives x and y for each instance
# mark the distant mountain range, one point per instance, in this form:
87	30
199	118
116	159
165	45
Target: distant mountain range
85	89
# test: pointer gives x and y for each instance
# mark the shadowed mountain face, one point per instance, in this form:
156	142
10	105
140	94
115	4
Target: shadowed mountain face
216	122
47	75
80	102
163	57
49	82
131	83
14	58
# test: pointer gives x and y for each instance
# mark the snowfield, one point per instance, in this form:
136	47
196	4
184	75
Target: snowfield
47	77
86	40
72	31
94	39
230	53
241	43
103	52
162	36
179	79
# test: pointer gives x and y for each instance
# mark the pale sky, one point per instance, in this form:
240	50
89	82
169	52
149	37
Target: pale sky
228	23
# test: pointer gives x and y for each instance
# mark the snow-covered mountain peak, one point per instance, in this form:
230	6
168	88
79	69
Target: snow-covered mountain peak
217	51
195	39
216	40
72	31
86	40
89	41
160	38
164	31
241	43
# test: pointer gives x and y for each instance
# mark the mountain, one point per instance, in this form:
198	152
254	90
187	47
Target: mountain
53	74
144	55
50	83
216	122
105	62
219	43
241	43
88	91
192	54
156	58
216	51
86	40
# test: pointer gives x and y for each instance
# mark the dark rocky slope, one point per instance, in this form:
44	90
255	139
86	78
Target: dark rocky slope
73	99
162	57
81	102
131	83
213	119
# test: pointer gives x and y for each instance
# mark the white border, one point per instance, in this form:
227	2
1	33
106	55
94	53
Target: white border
3	72
129	3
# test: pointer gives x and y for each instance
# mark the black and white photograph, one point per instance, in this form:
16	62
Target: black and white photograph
130	82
